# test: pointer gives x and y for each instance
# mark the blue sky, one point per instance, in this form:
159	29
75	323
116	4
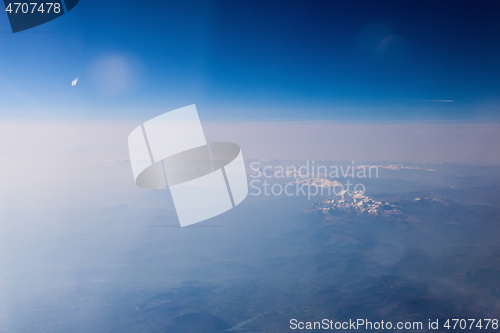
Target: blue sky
257	60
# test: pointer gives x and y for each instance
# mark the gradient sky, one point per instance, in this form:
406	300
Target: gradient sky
258	60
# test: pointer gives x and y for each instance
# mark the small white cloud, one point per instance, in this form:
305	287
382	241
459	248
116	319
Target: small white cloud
116	162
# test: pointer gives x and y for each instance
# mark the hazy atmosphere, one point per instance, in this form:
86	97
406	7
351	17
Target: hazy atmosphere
370	137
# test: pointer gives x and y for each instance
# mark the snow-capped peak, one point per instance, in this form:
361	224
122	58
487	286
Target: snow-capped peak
356	203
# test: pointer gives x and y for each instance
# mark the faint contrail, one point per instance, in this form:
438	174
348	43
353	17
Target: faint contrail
434	100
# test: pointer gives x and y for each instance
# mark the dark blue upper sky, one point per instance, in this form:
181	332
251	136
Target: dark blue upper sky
255	60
